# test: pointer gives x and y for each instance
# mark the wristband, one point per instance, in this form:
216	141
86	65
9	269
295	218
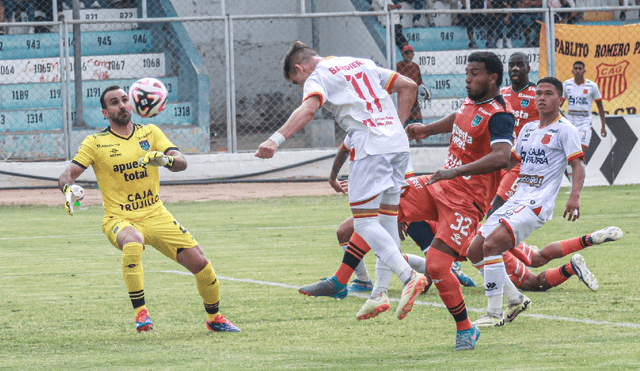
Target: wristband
278	138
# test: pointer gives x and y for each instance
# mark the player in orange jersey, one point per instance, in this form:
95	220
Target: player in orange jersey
458	195
520	94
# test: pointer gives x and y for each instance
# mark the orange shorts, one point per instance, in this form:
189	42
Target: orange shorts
508	183
456	222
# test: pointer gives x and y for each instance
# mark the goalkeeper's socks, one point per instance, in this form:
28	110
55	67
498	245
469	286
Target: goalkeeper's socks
209	289
133	273
574	244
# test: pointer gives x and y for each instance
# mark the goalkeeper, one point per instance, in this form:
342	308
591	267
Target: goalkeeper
125	158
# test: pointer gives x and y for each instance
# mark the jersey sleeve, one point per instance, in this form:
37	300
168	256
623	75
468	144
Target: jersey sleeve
85	155
386	76
501	126
595	93
161	142
571	143
313	86
564	90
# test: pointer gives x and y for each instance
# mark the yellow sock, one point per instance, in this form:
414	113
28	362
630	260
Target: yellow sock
209	289
133	273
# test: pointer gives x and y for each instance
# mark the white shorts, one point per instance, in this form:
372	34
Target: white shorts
519	219
585	134
374	175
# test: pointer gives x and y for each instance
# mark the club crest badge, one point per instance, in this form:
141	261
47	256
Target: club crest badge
144	144
524	103
476	121
546	139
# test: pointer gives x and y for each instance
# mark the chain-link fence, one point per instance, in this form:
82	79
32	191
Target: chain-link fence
221	61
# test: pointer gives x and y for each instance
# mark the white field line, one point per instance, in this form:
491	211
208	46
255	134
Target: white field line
426	303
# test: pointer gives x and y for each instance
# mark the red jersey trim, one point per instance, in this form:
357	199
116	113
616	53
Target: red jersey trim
575	155
362	202
390	82
315	93
513	237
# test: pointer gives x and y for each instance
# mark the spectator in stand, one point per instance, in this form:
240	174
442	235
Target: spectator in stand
389	5
623	14
528	22
417	5
429	4
410	69
568	18
471	20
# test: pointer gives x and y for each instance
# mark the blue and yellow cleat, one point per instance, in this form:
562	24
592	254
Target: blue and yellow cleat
360	286
221	324
143	322
466	339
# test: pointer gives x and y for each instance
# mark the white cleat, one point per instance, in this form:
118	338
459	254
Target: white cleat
584	274
489	320
605	235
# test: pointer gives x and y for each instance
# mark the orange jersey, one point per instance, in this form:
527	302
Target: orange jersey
476	128
523	105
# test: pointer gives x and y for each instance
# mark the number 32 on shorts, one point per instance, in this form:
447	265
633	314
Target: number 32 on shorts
460	227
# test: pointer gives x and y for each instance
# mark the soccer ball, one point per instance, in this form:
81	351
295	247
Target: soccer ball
423	92
148	97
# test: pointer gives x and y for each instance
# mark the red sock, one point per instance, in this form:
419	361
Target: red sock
439	268
555	276
352	257
574	244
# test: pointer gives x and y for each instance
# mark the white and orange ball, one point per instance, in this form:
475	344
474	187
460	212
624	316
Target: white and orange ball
148	97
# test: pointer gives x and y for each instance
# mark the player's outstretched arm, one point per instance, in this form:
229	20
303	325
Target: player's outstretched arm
420	131
603	129
296	122
572	210
72	192
407	91
497	159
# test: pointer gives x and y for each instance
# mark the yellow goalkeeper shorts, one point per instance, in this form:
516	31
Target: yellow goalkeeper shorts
159	230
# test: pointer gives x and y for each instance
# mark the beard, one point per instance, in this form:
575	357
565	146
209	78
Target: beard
122	118
479	95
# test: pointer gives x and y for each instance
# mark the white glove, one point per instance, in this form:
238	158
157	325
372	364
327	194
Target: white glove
156	158
72	193
423	92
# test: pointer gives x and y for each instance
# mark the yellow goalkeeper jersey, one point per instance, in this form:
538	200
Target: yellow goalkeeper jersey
128	190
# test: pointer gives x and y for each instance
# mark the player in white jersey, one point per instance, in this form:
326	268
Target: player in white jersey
544	149
580	93
357	92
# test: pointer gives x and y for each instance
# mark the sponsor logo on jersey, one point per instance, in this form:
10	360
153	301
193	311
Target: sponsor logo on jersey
460	137
612	79
534	181
476	121
534	156
144	144
115	153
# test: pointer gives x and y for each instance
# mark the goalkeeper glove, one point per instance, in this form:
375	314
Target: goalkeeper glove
72	193
156	158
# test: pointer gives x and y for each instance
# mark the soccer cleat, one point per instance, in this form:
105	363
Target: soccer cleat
373	307
221	324
415	286
326	287
466	339
605	235
464	280
515	309
489	320
360	286
143	322
584	274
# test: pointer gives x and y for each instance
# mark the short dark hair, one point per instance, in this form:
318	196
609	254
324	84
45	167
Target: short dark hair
578	62
491	62
108	89
553	81
298	53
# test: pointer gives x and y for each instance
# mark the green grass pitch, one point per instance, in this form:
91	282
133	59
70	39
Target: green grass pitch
64	306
